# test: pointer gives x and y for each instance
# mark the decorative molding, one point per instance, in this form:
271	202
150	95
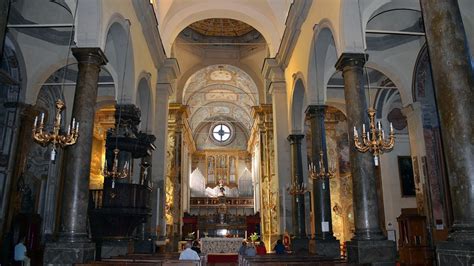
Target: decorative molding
296	16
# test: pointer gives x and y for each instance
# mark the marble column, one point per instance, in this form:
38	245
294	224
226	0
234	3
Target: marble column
454	82
73	245
326	244
368	245
300	242
4	10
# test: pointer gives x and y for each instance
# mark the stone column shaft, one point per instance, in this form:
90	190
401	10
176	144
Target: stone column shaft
368	245
321	191
454	84
297	178
362	164
78	157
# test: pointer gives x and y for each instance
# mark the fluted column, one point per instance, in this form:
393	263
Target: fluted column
300	243
454	83
74	245
326	243
367	229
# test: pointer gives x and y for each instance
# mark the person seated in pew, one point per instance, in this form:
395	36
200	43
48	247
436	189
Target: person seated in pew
279	247
188	253
261	250
243	248
196	247
250	251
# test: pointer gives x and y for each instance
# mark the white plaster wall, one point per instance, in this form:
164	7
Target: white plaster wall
393	201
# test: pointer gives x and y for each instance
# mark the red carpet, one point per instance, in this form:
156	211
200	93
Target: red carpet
222	258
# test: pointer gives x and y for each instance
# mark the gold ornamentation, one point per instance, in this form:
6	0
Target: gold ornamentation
322	173
54	137
374	140
115	173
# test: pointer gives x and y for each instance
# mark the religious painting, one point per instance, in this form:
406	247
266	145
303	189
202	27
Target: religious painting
407	181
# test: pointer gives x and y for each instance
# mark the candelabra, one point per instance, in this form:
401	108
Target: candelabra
297	188
54	137
323	173
115	173
374	140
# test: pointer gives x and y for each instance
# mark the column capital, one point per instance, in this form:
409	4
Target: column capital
295	138
313	110
351	59
90	55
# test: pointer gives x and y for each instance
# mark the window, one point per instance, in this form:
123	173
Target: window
221	132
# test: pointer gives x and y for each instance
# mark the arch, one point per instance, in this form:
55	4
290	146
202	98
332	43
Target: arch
144	102
199	11
323	57
297	111
119	52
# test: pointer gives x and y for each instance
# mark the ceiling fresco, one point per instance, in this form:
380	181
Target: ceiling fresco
220	93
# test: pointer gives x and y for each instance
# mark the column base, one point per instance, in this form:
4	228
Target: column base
68	253
300	245
375	252
327	248
455	253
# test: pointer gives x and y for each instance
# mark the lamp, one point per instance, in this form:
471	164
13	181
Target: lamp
323	173
297	188
115	173
55	137
374	140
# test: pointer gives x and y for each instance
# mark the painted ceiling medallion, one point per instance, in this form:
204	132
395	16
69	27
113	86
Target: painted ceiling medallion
222	27
221	75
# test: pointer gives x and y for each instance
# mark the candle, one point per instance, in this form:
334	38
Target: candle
383	135
42	118
197	234
69	130
391	128
36	121
245	234
379	125
77	127
363	128
355	133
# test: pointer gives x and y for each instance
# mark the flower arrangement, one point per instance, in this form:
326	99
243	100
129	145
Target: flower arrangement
254	237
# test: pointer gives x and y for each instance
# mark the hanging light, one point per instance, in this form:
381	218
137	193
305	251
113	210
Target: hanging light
297	188
374	140
115	173
323	173
55	137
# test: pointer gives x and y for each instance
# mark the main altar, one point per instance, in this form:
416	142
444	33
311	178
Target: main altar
213	245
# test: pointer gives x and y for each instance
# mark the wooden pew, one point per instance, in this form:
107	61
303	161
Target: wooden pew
276	260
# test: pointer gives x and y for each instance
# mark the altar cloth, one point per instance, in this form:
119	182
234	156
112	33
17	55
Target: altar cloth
215	245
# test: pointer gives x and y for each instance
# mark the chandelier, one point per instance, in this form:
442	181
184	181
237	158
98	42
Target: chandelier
115	173
55	137
297	188
374	140
323	173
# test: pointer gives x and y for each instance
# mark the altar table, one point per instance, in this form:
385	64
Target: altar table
211	245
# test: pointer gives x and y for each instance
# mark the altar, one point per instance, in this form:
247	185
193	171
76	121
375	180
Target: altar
211	245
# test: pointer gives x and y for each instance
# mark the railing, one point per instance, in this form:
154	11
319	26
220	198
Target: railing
123	195
215	202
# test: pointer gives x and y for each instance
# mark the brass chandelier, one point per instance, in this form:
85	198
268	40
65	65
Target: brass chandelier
297	188
323	173
55	137
115	173
374	140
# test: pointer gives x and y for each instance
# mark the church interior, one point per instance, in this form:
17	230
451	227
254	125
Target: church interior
340	127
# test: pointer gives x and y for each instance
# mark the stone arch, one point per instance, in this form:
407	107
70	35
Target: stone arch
119	52
144	102
323	57
195	12
297	111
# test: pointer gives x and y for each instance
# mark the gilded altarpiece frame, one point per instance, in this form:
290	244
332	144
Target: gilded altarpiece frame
262	134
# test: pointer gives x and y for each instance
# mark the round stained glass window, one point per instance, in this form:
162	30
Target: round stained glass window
221	132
